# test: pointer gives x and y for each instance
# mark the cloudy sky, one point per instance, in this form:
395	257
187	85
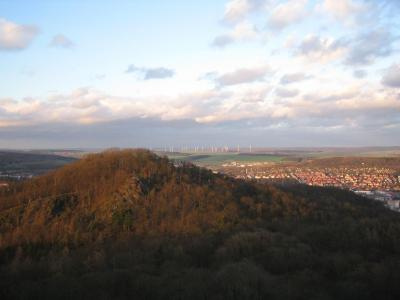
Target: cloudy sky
211	72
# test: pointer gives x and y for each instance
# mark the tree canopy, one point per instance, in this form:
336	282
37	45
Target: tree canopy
130	224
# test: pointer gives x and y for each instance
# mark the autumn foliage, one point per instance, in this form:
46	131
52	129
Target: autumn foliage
129	224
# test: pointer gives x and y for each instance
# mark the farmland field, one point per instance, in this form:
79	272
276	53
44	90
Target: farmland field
212	159
220	158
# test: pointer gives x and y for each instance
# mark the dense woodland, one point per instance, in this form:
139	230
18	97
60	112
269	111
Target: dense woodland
132	225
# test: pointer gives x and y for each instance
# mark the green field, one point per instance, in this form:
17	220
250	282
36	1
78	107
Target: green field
215	159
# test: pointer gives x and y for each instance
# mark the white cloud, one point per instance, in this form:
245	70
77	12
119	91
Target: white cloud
391	77
367	47
254	95
315	87
61	41
223	40
360	74
342	9
244	75
286	93
293	77
287	13
236	10
14	36
321	49
252	106
243	31
151	73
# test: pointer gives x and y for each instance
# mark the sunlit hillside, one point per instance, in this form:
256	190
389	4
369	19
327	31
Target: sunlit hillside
130	224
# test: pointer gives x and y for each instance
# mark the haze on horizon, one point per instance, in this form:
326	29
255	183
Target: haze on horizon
214	72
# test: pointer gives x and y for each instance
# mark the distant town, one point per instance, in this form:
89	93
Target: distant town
379	183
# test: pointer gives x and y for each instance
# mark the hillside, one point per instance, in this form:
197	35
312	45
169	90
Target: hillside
30	163
129	224
354	162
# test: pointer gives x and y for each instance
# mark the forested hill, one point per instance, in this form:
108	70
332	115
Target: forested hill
30	163
131	225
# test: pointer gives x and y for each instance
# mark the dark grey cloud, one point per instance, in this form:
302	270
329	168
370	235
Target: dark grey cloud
61	41
293	77
367	47
132	132
391	77
245	75
15	36
151	73
151	132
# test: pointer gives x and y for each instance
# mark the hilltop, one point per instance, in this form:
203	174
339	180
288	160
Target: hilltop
131	224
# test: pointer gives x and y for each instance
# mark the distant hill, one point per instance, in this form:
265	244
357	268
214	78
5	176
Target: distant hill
351	162
23	162
133	225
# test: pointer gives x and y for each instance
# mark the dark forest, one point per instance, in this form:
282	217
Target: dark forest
132	225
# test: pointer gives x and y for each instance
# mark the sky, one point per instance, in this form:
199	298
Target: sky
271	73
